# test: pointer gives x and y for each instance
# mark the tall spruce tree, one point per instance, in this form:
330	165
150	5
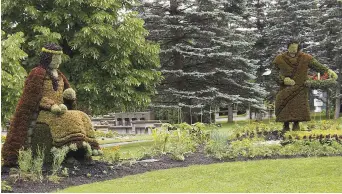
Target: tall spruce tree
329	48
204	58
289	19
286	20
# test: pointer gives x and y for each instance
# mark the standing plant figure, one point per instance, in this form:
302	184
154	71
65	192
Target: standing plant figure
291	73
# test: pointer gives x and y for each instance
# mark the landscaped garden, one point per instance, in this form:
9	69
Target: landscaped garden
126	96
253	157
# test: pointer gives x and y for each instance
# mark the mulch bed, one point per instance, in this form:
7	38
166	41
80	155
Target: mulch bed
112	171
97	172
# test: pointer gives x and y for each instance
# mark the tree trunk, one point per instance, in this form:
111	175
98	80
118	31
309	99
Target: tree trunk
230	113
338	93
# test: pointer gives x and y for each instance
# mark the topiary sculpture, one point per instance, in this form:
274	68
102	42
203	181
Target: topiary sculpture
290	70
45	115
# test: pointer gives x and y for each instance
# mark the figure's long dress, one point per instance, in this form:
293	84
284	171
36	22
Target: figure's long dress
70	127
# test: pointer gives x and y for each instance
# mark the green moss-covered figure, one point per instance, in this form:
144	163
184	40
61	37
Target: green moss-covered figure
290	70
48	106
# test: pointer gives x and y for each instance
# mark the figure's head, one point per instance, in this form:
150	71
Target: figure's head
293	47
51	56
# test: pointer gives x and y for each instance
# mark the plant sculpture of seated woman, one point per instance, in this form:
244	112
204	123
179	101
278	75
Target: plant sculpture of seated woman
48	100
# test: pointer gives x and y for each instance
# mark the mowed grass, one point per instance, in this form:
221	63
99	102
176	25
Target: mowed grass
131	138
283	175
128	151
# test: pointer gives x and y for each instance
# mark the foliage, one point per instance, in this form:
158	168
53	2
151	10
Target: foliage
252	148
199	132
30	167
161	138
99	134
321	84
314	134
3	138
59	155
322	125
171	115
178	139
87	147
25	160
65	172
204	58
112	134
106	53
181	143
111	155
257	129
5	186
109	134
217	144
12	73
37	163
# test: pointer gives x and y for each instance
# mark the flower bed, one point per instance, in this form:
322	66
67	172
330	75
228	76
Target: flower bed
314	134
271	131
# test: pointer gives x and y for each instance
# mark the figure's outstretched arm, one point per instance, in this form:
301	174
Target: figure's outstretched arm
317	66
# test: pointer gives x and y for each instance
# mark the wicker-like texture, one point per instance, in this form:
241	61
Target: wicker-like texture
66	128
38	96
321	84
292	101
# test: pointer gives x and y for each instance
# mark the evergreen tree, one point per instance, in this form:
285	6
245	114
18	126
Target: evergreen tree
285	20
330	43
290	19
107	59
204	55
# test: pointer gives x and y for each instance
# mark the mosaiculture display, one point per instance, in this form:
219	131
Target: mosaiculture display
290	70
46	114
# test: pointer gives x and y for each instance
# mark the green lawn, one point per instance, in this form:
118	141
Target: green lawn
283	175
134	149
125	139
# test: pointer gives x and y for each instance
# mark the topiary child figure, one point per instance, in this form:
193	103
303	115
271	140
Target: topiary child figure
290	70
48	100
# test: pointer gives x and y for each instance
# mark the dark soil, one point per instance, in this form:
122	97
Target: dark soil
101	171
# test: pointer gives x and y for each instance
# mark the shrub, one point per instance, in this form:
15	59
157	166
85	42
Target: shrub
65	172
322	125
251	148
111	155
217	145
181	143
25	160
3	138
37	164
5	186
99	134
111	134
267	131
161	138
59	155
30	168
